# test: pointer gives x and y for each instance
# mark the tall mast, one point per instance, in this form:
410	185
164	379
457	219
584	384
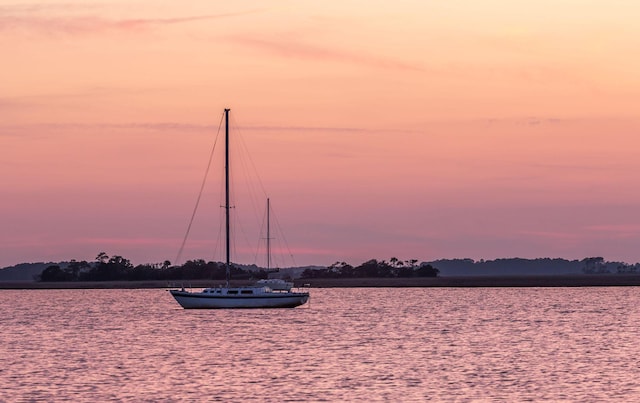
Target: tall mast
268	238
226	180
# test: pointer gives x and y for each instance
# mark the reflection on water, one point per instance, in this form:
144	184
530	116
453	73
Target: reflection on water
383	344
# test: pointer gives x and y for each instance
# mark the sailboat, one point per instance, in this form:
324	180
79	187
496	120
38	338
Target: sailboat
255	296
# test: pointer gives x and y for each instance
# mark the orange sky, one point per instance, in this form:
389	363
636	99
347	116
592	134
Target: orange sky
417	130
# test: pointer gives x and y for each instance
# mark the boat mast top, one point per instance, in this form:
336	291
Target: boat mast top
226	201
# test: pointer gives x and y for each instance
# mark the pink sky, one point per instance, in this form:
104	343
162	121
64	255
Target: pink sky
416	129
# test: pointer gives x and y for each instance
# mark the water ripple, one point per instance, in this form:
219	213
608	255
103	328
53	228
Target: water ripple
352	345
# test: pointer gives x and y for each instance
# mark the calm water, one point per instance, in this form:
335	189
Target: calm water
351	345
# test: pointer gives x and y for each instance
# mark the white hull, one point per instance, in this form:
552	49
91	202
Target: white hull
205	300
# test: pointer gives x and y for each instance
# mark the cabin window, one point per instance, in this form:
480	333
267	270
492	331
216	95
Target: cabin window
246	292
232	291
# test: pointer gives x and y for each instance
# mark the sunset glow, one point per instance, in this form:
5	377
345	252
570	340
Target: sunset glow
418	130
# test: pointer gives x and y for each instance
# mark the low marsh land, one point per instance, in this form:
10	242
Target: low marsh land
458	281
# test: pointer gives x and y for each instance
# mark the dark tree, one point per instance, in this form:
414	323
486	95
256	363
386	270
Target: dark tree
426	270
54	273
102	257
367	269
114	269
74	268
373	268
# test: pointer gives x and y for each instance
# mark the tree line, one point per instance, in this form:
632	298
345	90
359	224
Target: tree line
117	268
374	268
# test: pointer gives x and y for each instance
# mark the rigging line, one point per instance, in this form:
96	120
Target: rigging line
246	149
262	225
281	232
218	252
235	218
237	223
204	181
253	194
249	175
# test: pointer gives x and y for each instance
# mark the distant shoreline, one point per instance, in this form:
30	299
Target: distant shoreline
611	280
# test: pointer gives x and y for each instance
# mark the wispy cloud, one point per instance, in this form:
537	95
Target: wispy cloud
128	242
52	128
622	230
173	126
298	50
324	129
44	7
11	103
527	121
553	235
75	25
